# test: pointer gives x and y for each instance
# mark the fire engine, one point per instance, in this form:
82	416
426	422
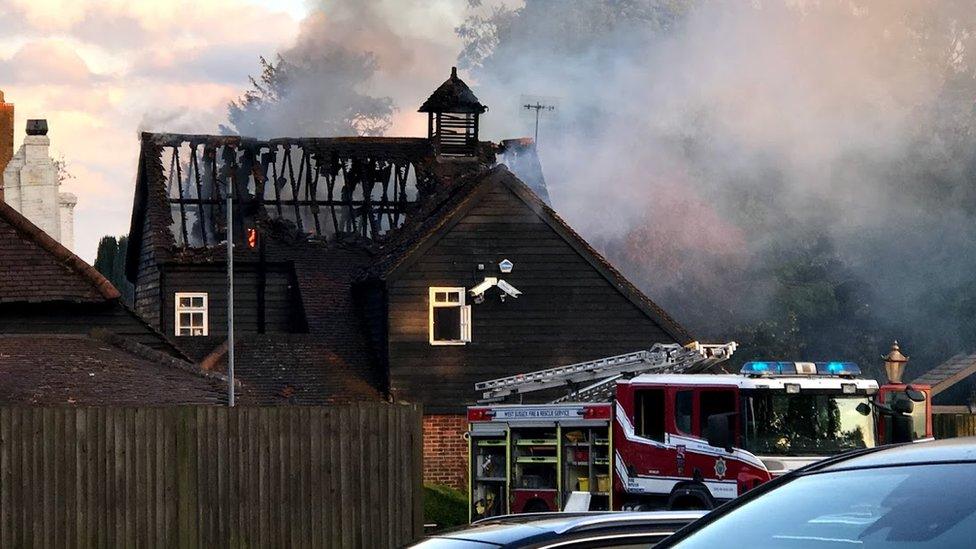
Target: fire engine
653	429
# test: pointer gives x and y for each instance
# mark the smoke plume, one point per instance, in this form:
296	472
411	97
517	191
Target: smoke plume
801	168
795	173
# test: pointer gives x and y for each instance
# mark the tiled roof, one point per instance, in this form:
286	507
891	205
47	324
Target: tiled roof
297	369
60	370
948	373
36	268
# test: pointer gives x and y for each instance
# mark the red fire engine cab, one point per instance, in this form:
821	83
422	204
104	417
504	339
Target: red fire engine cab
678	439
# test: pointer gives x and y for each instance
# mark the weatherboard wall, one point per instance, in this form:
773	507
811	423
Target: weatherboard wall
278	299
568	311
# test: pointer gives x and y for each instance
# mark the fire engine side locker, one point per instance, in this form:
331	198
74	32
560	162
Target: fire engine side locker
596	444
535	480
536	434
491	440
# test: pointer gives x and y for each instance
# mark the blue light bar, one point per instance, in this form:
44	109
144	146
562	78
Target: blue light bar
768	368
765	368
838	369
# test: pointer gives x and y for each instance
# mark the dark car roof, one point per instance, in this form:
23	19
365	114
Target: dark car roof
946	451
951	450
539	526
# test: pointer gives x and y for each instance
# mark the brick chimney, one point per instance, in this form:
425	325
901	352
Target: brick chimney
6	137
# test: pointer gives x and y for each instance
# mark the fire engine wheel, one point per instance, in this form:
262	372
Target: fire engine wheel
690	498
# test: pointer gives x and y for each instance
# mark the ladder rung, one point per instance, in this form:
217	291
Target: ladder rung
671	358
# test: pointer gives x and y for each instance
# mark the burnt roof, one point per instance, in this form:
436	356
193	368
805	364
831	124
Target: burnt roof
453	96
66	370
36	268
446	207
153	224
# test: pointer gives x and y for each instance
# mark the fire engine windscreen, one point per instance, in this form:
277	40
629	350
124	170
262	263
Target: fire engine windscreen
805	424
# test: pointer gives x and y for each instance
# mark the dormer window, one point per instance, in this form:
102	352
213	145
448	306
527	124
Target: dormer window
191	314
450	318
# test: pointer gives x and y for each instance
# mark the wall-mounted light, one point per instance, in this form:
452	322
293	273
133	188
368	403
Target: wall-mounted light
508	288
505	266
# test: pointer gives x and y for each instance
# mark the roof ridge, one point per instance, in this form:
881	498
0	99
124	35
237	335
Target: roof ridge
429	218
154	330
148	353
64	256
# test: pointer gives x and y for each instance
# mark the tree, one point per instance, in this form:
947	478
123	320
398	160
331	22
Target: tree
110	262
307	92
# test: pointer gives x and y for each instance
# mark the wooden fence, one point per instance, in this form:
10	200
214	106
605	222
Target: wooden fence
344	476
953	425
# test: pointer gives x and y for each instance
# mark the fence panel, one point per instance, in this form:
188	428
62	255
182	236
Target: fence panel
953	425
338	476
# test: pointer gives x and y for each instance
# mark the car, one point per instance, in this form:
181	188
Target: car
564	530
906	495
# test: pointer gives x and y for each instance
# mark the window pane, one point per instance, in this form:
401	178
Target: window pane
185	319
453	297
184	302
714	402
198	331
440	297
184	331
649	414
682	411
447	324
197	319
198	301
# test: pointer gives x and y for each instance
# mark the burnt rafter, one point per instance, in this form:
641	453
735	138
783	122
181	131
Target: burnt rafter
324	186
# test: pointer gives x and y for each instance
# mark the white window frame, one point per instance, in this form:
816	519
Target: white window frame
177	309
465	314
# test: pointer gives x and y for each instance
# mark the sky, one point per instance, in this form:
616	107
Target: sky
101	71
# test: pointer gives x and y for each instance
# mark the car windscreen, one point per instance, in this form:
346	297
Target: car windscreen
918	506
809	423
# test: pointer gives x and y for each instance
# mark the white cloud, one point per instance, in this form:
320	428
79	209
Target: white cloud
102	70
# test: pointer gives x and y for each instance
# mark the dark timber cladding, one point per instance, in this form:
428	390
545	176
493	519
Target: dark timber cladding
573	307
276	312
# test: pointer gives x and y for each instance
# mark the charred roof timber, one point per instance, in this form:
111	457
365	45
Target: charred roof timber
324	186
452	117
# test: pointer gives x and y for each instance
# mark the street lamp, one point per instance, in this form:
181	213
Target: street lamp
894	363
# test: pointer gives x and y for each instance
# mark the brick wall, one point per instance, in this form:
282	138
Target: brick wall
445	450
6	137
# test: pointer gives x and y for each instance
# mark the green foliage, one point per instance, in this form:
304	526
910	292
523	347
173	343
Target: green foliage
110	262
817	310
445	506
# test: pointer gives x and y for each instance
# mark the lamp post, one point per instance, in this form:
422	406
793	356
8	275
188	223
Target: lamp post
230	292
894	363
